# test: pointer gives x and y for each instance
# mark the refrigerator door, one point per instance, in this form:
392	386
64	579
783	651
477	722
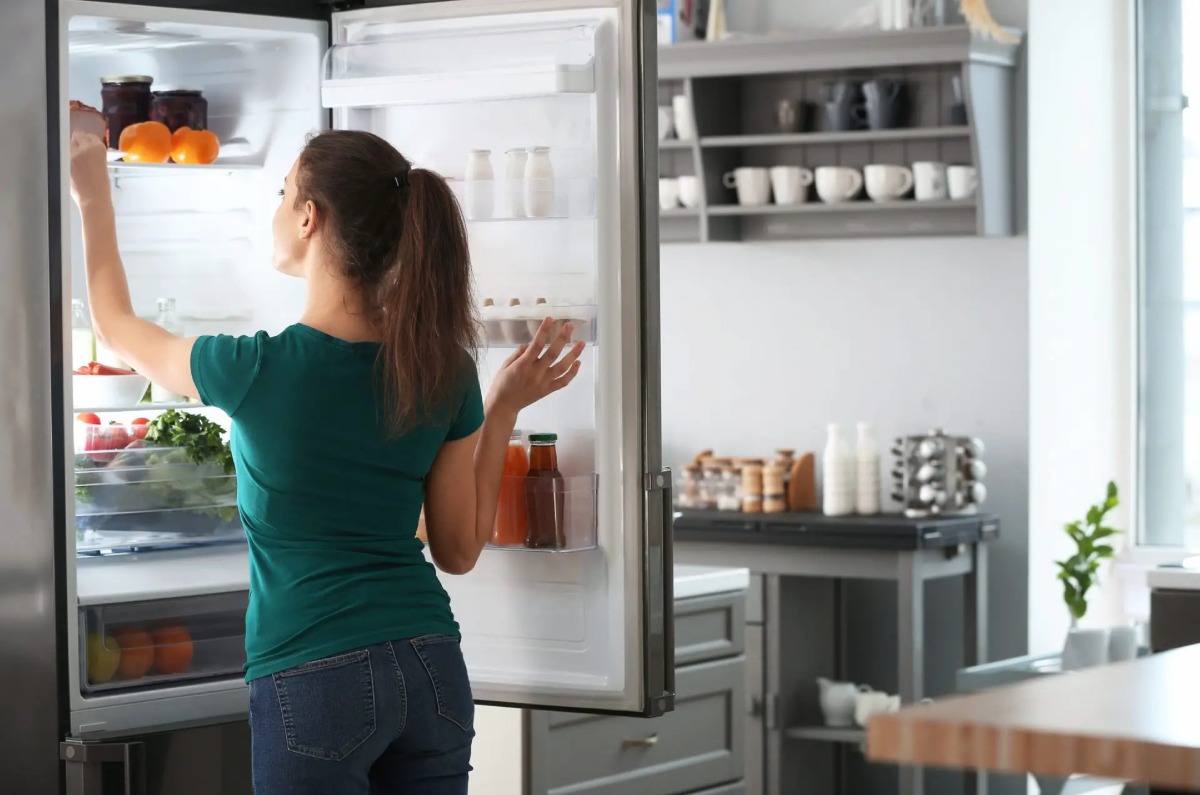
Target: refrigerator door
535	112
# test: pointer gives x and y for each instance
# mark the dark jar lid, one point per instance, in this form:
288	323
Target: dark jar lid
543	438
124	80
178	92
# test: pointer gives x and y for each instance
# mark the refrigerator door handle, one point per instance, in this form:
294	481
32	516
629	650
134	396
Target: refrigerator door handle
660	486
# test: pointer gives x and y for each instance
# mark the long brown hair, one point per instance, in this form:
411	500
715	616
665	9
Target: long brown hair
400	236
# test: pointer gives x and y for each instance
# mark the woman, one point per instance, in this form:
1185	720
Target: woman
345	425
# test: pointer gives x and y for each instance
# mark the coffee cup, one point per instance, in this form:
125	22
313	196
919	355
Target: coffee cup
666	123
685	122
753	185
962	182
790	184
872	702
689	192
836	184
668	193
887	182
929	178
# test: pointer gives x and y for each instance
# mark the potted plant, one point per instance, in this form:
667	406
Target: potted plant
1079	574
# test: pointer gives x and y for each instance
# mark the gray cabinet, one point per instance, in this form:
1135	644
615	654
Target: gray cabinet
697	748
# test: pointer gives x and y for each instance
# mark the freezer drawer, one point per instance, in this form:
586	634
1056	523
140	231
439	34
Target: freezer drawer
156	644
695	747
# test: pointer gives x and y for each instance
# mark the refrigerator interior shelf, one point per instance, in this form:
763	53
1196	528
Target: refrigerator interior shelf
136	408
119	168
561	513
466	86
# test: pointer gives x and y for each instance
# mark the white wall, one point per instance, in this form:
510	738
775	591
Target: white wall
1080	195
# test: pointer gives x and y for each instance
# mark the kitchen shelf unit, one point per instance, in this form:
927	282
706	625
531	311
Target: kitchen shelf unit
734	87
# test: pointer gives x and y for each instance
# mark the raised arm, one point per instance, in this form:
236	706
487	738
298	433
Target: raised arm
463	486
153	351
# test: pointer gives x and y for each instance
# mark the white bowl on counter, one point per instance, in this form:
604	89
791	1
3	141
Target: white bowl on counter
108	391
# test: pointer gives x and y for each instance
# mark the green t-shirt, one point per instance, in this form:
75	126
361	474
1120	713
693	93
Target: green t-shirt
330	500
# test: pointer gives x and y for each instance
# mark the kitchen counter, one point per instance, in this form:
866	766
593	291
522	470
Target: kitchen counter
693	581
1134	721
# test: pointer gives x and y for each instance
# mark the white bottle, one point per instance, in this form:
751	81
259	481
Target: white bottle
838	469
514	177
480	193
83	341
169	320
539	183
866	471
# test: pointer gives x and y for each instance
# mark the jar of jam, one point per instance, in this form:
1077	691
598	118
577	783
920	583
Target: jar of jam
125	101
180	108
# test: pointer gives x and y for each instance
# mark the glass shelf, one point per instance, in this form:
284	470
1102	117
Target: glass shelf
521	498
503	200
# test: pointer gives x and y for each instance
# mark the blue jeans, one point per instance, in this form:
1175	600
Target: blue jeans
392	718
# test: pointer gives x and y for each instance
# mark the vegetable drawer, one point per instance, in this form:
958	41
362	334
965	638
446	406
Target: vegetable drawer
152	644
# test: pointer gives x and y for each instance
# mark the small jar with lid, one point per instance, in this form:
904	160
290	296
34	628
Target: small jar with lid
752	488
774	496
689	495
729	496
180	108
710	487
124	101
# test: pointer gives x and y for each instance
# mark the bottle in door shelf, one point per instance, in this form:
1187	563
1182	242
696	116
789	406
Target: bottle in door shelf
539	183
512	517
544	496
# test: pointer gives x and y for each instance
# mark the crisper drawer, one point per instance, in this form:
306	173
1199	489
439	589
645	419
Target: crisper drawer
697	746
166	642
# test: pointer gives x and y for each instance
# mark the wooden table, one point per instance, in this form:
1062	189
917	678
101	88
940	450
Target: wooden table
1136	721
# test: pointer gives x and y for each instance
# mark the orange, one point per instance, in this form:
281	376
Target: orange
194	147
137	653
147	142
172	649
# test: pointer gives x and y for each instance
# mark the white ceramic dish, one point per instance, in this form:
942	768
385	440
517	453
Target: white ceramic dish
108	391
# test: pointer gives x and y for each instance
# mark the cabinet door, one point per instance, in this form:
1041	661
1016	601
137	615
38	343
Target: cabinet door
756	710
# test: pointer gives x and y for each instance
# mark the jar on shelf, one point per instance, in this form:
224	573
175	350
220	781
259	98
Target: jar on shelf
752	489
689	492
729	496
710	488
774	496
180	108
124	101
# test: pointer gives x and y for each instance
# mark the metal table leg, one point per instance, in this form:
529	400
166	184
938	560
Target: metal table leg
975	639
910	624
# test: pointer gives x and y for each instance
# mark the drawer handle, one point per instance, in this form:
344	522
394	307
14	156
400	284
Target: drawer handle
645	742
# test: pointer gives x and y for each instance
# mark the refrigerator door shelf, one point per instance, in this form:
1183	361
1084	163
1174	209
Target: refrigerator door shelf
152	644
504	200
509	332
520	504
474	86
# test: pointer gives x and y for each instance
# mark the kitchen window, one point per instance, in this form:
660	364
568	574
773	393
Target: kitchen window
1168	168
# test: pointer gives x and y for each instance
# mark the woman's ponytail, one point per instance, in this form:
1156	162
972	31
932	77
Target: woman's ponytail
429	324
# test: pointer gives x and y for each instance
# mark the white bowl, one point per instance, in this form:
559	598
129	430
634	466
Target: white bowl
108	391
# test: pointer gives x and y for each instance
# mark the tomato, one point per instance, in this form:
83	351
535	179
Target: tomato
88	419
140	427
106	437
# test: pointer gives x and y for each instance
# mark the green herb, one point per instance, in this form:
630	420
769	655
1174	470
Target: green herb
1080	572
202	439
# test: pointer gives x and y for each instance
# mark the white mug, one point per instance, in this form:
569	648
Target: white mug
872	702
753	185
690	192
790	184
668	193
887	182
930	179
666	122
685	122
837	184
963	182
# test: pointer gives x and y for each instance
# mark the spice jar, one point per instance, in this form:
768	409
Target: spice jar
729	498
180	108
125	101
689	496
752	489
774	496
710	487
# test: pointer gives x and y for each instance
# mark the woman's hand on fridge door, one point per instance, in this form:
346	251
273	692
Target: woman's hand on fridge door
535	369
89	169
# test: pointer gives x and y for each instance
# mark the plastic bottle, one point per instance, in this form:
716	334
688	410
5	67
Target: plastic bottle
83	341
170	321
838	468
512	518
867	471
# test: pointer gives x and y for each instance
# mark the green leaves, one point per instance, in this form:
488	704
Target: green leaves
200	437
1079	573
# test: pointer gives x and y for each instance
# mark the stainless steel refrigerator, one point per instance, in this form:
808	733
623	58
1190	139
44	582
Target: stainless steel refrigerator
101	546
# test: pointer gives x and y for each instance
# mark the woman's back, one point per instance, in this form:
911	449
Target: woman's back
329	497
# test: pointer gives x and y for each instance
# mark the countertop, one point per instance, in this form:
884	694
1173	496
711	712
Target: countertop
692	581
1137	721
1184	577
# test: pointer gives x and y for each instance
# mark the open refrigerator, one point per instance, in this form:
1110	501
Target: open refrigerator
148	564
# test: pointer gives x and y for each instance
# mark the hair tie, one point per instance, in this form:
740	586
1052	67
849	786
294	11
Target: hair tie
401	178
